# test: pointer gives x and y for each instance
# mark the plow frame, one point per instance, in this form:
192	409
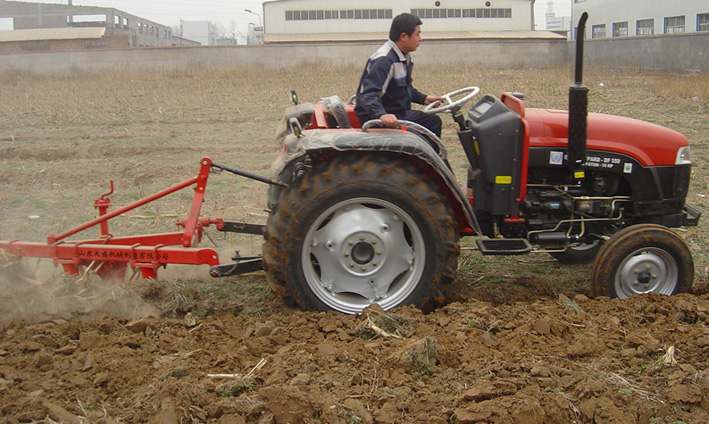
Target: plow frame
109	256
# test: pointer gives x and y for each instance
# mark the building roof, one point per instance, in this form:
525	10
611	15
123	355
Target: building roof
41	34
380	36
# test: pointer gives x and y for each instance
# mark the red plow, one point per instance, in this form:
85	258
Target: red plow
109	256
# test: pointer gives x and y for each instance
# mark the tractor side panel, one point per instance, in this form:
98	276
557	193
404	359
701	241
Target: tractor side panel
494	148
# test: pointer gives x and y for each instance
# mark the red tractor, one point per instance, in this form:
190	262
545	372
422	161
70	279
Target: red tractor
361	214
371	215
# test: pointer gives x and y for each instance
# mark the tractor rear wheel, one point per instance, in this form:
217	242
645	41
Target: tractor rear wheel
642	259
359	230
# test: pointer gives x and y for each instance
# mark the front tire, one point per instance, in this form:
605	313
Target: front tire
359	230
642	259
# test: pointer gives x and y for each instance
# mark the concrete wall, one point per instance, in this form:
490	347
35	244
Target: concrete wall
667	53
671	53
500	53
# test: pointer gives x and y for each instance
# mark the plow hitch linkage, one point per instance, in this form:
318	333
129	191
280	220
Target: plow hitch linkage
109	256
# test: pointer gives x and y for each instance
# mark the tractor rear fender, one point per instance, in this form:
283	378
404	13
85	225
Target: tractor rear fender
316	146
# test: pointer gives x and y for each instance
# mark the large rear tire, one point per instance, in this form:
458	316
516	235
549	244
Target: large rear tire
642	259
359	230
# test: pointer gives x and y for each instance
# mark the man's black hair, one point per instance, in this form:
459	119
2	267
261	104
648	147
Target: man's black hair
404	23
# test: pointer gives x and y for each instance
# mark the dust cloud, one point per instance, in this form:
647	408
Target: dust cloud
32	289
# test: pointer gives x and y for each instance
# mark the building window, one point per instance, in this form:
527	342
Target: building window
461	13
93	44
318	15
645	27
598	31
620	29
703	22
674	24
35	45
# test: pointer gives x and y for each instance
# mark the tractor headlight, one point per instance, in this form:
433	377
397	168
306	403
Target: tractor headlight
683	156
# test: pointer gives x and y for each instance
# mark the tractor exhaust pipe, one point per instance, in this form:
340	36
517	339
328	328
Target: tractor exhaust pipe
578	105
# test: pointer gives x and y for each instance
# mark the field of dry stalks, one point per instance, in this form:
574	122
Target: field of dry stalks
64	138
520	345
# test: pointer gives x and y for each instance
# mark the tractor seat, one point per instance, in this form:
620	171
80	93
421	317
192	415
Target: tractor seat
335	107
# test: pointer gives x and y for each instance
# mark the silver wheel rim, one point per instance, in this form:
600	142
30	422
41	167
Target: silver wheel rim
646	270
363	251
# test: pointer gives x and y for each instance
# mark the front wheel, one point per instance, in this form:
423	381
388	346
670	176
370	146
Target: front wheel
361	230
642	259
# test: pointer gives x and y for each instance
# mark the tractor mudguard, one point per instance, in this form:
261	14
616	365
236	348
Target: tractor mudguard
314	145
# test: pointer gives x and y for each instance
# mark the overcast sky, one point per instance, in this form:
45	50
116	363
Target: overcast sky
170	12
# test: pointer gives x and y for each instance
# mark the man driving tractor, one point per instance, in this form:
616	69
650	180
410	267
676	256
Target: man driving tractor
385	91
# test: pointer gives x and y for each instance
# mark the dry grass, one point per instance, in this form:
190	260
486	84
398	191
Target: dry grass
63	138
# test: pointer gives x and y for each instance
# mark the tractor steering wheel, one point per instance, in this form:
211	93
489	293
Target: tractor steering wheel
448	103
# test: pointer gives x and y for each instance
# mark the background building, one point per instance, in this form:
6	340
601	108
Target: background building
315	20
558	24
203	32
137	31
53	39
255	35
622	18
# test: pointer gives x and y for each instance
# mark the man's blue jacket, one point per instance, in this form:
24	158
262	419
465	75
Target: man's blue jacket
385	86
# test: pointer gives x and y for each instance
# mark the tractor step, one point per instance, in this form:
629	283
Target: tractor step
503	246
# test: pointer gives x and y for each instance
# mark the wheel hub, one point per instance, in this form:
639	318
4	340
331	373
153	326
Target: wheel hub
644	277
647	270
363	253
360	254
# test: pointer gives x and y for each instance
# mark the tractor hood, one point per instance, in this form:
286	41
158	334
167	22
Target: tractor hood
650	144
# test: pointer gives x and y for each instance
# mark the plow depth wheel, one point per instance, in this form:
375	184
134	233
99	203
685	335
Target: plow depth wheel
642	259
361	230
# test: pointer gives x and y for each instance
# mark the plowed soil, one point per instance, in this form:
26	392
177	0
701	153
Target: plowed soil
521	342
543	360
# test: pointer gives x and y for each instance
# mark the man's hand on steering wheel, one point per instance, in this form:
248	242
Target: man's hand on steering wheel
453	100
432	99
